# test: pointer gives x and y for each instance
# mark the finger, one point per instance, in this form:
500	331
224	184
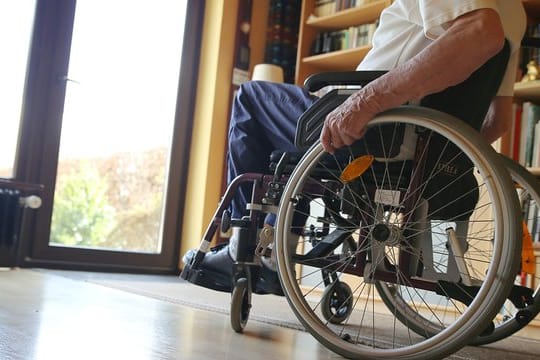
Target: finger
351	135
348	139
326	140
337	140
341	137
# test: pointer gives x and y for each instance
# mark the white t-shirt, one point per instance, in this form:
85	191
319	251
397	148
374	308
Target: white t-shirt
411	25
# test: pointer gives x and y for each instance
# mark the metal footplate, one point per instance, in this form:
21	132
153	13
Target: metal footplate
202	278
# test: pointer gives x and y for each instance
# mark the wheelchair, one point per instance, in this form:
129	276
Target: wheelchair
409	239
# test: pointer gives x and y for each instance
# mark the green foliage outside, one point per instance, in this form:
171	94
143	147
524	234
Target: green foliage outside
112	203
82	215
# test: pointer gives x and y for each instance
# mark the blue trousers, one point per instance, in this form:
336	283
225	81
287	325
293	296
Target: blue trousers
263	119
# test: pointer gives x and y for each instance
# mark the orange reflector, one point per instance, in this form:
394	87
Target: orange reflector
356	168
528	261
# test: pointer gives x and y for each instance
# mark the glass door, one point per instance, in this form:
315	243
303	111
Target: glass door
114	129
117	125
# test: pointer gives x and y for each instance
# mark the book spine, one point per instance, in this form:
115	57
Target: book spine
516	132
535	162
523	136
533	115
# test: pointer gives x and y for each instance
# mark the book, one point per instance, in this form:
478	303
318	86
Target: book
523	132
532	216
350	38
516	132
324	8
535	162
531	115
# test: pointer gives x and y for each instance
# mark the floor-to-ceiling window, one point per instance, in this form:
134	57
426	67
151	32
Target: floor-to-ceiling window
117	124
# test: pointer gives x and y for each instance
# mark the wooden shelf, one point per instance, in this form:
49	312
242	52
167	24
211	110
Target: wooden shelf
311	26
343	60
527	91
349	17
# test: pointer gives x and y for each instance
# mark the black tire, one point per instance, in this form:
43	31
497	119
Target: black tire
240	305
510	318
337	302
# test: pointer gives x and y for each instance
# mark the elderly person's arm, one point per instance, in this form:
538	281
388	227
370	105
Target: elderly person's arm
468	42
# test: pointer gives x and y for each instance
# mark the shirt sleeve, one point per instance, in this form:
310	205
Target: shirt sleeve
436	14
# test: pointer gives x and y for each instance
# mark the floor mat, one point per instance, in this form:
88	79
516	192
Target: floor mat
265	308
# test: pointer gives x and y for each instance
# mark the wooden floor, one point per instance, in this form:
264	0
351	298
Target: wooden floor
46	316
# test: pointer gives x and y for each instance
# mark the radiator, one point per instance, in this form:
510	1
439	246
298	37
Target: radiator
14	198
10	217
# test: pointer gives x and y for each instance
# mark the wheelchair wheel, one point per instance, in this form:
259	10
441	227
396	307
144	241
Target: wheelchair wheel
395	203
240	305
337	302
522	305
513	316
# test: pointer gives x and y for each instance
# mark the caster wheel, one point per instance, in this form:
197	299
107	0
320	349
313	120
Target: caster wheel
337	302
240	305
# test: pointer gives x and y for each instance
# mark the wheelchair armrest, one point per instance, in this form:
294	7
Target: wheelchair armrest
348	78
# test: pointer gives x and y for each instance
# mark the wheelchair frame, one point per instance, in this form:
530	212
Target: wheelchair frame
268	193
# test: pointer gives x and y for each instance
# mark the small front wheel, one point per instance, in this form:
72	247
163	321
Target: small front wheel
240	305
337	302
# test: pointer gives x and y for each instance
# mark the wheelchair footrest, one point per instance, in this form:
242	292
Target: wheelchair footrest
207	279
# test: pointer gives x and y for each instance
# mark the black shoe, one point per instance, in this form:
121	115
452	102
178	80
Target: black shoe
215	270
268	282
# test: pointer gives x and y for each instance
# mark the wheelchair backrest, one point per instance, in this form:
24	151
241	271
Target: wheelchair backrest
470	100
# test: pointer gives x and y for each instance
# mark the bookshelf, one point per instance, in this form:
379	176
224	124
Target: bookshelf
526	96
527	91
337	60
311	25
348	17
